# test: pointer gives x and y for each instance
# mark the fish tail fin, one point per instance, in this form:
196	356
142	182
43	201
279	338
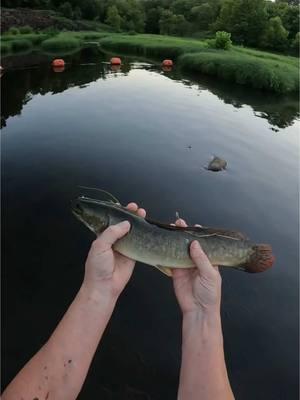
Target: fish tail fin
261	259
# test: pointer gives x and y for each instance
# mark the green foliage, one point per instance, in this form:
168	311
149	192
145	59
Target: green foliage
5	47
113	18
152	46
26	29
77	14
290	20
20	44
222	40
90	8
275	36
296	43
203	15
173	24
13	31
261	73
153	16
34	38
61	42
66	10
245	19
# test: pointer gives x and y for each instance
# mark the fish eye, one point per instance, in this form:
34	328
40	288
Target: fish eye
78	207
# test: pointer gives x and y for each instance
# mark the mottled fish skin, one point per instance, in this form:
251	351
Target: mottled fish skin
157	246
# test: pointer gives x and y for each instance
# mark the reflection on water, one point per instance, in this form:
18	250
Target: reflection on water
144	135
280	111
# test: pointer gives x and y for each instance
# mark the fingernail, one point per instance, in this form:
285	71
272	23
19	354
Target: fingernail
195	245
125	224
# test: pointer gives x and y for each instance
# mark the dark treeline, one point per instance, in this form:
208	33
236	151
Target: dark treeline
260	23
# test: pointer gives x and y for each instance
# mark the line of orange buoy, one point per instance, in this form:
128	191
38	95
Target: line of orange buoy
58	62
167	63
58	65
115	61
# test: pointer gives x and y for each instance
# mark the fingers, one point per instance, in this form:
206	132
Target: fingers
200	259
134	208
180	222
113	233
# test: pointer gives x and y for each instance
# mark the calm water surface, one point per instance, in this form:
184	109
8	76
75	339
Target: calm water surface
145	135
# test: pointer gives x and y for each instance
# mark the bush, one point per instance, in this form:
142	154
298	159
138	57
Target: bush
61	43
222	40
21	44
5	47
26	29
260	73
13	31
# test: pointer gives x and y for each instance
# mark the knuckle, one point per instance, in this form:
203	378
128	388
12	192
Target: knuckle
96	244
112	229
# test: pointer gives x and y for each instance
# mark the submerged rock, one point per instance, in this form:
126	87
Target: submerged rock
217	164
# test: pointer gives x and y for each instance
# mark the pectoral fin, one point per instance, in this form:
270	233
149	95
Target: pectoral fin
165	270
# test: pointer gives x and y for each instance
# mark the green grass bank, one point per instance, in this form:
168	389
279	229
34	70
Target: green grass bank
245	66
258	69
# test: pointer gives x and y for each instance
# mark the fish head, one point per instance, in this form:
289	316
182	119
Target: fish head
92	213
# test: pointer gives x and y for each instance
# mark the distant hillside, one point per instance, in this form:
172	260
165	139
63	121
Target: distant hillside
43	19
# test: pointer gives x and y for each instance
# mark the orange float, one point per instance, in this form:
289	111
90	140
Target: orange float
167	63
58	62
166	69
59	69
115	61
115	67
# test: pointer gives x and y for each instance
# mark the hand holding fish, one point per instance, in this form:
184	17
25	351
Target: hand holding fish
197	289
107	271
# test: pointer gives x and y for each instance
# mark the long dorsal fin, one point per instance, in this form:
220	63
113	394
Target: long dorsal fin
201	231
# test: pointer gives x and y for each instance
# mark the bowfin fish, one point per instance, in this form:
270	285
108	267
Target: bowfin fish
165	246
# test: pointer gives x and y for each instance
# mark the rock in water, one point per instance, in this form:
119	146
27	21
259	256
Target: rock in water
217	164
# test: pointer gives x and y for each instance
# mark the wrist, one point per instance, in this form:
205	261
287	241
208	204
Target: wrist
203	324
99	296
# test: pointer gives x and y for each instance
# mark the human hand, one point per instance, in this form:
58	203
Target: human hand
197	289
107	271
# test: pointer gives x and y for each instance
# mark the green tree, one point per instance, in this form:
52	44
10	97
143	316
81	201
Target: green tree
90	9
296	43
66	9
275	36
203	16
133	15
166	22
113	18
153	16
245	19
77	14
171	24
290	20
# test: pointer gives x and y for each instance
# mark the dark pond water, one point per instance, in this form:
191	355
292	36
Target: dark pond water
145	135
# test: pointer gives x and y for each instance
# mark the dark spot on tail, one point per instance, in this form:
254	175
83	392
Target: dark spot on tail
261	259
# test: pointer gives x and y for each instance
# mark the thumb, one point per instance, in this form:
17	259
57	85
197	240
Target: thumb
200	259
114	232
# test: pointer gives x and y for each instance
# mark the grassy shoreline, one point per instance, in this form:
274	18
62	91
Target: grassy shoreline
245	66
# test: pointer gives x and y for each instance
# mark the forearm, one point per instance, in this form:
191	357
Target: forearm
203	372
58	370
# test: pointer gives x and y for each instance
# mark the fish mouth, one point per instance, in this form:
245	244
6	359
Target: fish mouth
77	208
